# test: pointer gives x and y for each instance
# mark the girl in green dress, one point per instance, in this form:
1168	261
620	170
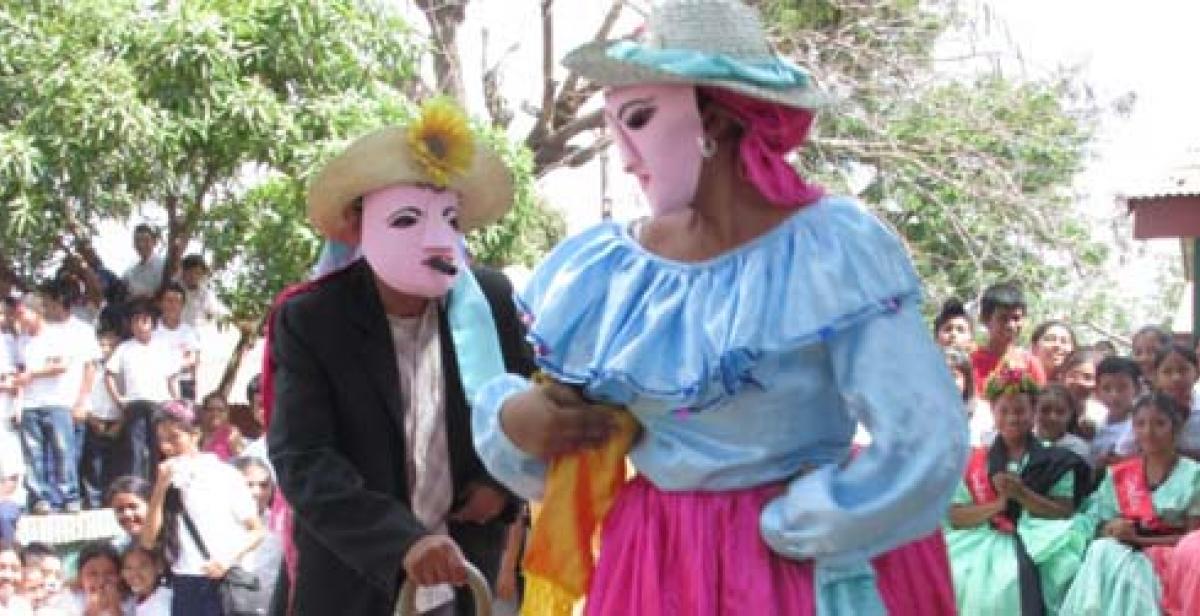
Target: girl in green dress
1142	509
1014	547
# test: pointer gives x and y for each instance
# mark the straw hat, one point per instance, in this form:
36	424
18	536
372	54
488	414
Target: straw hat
717	43
436	149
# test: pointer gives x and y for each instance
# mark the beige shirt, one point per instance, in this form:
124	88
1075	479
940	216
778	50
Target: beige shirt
422	386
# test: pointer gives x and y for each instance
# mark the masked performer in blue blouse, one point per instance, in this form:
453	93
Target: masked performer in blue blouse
747	326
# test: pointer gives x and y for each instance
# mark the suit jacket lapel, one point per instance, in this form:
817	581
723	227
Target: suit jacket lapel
374	343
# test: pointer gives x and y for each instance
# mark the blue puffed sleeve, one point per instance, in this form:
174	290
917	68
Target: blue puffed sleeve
522	473
893	378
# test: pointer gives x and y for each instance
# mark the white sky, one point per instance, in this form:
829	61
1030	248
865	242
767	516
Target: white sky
1148	48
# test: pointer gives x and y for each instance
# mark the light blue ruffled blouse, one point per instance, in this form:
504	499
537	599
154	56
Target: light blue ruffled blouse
752	368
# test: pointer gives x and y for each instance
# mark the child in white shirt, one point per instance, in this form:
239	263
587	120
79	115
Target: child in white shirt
1116	386
142	571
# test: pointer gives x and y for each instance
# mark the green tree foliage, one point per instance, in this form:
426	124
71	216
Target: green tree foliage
216	111
973	168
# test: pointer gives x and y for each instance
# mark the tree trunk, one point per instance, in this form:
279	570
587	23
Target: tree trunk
248	332
176	241
444	17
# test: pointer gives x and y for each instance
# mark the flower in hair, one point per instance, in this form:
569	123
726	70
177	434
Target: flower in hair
1009	380
441	142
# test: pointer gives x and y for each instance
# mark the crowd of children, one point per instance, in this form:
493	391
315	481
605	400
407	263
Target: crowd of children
1082	493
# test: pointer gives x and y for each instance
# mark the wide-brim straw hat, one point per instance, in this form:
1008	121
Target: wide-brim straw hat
384	158
718	43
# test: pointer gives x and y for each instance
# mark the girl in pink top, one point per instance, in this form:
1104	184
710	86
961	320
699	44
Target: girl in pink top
218	436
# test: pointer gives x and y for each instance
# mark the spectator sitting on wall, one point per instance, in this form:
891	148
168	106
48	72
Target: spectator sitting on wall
179	337
201	304
114	315
141	373
144	277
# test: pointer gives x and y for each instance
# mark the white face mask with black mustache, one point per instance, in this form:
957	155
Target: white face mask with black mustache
410	237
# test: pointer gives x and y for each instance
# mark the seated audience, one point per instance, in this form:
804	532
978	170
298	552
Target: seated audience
1051	343
142	571
1142	509
1012	543
1056	418
1117	380
952	328
12	603
98	589
217	434
129	497
1147	342
1002	310
1175	374
1078	374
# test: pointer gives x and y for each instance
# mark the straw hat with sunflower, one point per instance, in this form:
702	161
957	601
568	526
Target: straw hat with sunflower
436	149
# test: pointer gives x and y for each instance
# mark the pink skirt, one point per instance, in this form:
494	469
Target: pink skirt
701	553
1178	569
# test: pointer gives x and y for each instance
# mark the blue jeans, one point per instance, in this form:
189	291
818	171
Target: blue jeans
10	512
48	438
96	466
137	447
195	595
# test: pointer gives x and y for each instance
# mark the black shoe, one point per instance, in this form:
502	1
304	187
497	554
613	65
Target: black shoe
41	508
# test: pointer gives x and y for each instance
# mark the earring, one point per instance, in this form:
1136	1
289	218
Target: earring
708	146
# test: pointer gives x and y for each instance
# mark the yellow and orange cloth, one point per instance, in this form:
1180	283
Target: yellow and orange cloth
580	489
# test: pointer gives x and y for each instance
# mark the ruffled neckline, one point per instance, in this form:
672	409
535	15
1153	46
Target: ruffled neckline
606	313
626	234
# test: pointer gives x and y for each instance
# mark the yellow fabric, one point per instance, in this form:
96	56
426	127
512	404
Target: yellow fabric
580	488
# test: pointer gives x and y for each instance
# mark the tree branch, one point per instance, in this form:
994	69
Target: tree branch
545	117
603	32
444	17
571	97
554	146
497	106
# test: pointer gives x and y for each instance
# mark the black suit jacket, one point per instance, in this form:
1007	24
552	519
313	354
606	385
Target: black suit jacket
337	442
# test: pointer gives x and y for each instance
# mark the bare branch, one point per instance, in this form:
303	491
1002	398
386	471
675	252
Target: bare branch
576	156
444	17
554	146
557	118
546	114
603	32
494	101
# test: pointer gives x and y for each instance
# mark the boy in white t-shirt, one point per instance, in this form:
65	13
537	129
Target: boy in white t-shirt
141	373
102	432
10	438
180	337
79	339
1116	386
48	394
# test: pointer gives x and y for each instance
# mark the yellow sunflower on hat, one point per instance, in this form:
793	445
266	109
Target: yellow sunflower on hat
441	142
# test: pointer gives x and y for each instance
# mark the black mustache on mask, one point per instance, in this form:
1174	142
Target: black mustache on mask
441	265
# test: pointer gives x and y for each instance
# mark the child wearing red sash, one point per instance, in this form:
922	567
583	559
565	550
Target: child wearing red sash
1013	545
1143	510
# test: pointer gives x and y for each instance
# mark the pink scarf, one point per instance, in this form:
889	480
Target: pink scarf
772	131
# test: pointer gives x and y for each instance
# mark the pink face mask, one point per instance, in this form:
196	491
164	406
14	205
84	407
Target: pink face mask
410	237
658	129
